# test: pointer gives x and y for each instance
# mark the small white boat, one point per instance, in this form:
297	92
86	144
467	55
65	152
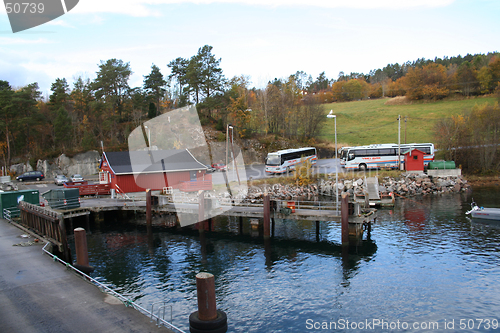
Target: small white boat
477	212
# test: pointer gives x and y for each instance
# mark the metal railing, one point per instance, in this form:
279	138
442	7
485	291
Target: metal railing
181	197
125	300
8	213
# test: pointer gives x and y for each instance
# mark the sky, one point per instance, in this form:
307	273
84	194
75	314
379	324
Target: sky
261	39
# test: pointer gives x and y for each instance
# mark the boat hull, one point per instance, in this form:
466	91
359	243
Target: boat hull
486	213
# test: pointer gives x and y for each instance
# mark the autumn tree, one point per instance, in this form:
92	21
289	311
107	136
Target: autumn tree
178	68
63	128
60	95
154	85
27	116
311	117
351	90
211	79
466	79
427	82
111	84
7	116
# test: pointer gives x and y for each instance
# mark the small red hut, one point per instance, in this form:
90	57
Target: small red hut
136	171
414	160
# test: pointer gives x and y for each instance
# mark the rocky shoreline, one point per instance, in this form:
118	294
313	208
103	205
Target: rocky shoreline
404	186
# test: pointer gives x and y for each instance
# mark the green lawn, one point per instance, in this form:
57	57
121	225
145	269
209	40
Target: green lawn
371	121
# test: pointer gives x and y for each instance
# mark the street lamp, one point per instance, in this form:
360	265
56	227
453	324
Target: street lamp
227	142
331	115
149	135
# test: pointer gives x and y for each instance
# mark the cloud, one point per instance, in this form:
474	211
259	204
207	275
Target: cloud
147	7
60	23
22	41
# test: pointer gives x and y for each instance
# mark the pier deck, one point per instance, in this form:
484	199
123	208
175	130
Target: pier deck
317	213
38	294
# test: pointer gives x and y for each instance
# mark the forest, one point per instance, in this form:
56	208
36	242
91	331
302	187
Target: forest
106	109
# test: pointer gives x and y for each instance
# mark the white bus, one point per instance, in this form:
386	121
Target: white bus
383	156
286	160
343	155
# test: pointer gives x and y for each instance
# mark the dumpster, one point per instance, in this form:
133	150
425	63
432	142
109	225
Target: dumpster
9	201
441	165
62	198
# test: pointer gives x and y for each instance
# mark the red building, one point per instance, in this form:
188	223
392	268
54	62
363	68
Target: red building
136	171
414	160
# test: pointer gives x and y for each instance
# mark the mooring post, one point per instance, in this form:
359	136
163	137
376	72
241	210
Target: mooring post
148	207
267	216
344	212
201	210
205	287
82	253
317	231
207	318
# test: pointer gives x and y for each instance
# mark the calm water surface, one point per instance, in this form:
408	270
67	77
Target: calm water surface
426	268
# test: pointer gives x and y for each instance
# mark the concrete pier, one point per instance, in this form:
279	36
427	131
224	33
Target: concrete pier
38	294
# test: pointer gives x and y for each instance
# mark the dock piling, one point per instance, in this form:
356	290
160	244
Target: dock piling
148	207
267	216
81	249
344	212
207	318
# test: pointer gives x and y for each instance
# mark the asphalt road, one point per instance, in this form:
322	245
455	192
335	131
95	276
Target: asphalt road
251	171
257	171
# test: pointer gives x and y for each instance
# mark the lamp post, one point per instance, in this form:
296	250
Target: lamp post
149	135
331	115
227	142
233	156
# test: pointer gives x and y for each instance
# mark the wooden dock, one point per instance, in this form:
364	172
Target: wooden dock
301	212
52	223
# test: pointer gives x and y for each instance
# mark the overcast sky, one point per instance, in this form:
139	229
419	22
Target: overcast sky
262	39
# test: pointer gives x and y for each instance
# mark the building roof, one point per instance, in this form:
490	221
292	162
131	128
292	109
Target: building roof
152	161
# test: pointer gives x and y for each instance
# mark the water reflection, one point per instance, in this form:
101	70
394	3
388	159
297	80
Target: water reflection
425	261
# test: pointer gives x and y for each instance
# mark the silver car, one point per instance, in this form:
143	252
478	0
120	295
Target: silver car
60	179
76	178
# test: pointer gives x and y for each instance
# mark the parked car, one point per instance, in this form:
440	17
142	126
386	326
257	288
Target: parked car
60	179
30	175
219	167
76	178
209	169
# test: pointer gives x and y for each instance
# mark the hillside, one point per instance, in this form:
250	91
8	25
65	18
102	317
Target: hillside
375	121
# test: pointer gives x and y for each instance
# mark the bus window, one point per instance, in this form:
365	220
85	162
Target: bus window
273	160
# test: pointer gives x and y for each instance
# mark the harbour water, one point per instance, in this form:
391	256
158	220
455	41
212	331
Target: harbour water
425	268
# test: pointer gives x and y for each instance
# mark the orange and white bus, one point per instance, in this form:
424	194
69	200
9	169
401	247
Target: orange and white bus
287	160
382	156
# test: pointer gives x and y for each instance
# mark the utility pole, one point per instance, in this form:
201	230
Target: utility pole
399	142
405	128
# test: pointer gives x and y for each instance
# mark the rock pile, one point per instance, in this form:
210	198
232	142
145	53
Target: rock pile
283	192
405	186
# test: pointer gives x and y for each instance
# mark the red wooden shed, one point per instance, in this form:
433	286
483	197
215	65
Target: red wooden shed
136	171
414	160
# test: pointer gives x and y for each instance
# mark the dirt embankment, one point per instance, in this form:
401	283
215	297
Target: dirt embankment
483	181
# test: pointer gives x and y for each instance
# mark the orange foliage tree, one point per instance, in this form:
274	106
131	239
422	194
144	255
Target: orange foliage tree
427	82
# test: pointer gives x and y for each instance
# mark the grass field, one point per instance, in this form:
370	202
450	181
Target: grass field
372	121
